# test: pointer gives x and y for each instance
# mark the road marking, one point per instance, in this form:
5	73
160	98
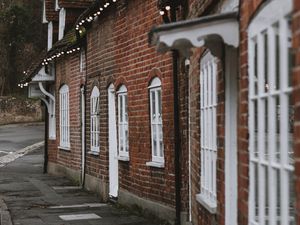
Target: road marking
87	216
89	205
67	187
15	155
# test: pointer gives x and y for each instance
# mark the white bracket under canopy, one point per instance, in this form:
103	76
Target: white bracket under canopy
42	76
210	31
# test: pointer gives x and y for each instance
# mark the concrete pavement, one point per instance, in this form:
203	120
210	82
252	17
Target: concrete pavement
33	198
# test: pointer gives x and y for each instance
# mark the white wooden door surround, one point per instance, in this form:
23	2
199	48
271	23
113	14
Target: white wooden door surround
113	149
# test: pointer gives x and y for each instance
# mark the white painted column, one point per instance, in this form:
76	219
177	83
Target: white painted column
231	93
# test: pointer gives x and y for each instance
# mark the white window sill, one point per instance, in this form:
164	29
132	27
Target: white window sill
155	164
93	153
64	148
123	158
211	207
52	138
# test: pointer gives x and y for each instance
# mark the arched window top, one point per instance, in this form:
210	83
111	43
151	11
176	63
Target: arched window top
207	58
269	14
155	83
95	92
64	89
122	89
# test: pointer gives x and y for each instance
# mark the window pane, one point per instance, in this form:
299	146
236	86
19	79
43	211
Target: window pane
255	150
154	147
292	199
277	57
266	58
126	138
126	108
153	106
159	106
161	140
291	130
121	137
278	129
121	108
255	69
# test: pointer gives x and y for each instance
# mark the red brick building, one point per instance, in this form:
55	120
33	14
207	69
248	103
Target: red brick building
124	71
206	134
243	138
114	106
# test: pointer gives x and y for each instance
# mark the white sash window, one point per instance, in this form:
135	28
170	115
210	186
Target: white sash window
50	35
82	63
208	126
156	121
64	119
271	191
95	120
62	23
123	123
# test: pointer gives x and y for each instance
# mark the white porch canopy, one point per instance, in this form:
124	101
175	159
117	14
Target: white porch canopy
36	90
42	76
210	31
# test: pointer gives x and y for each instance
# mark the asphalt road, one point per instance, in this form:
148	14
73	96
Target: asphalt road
17	136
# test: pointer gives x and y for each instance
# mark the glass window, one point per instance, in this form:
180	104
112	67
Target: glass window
123	122
64	121
95	120
271	117
156	121
208	126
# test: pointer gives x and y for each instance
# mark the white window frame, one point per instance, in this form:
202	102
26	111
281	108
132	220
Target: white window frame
64	117
82	60
56	5
123	142
62	23
44	12
270	141
50	35
95	120
208	124
157	144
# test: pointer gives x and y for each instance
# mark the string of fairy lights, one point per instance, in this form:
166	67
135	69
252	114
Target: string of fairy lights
79	27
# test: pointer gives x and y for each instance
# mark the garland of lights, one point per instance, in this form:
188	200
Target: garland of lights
88	19
93	17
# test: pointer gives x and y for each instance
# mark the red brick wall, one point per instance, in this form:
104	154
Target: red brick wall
135	61
296	80
101	70
132	64
52	150
67	72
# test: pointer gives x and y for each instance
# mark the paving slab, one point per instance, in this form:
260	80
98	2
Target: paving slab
34	198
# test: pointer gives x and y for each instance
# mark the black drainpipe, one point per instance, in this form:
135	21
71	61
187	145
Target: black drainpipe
177	139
